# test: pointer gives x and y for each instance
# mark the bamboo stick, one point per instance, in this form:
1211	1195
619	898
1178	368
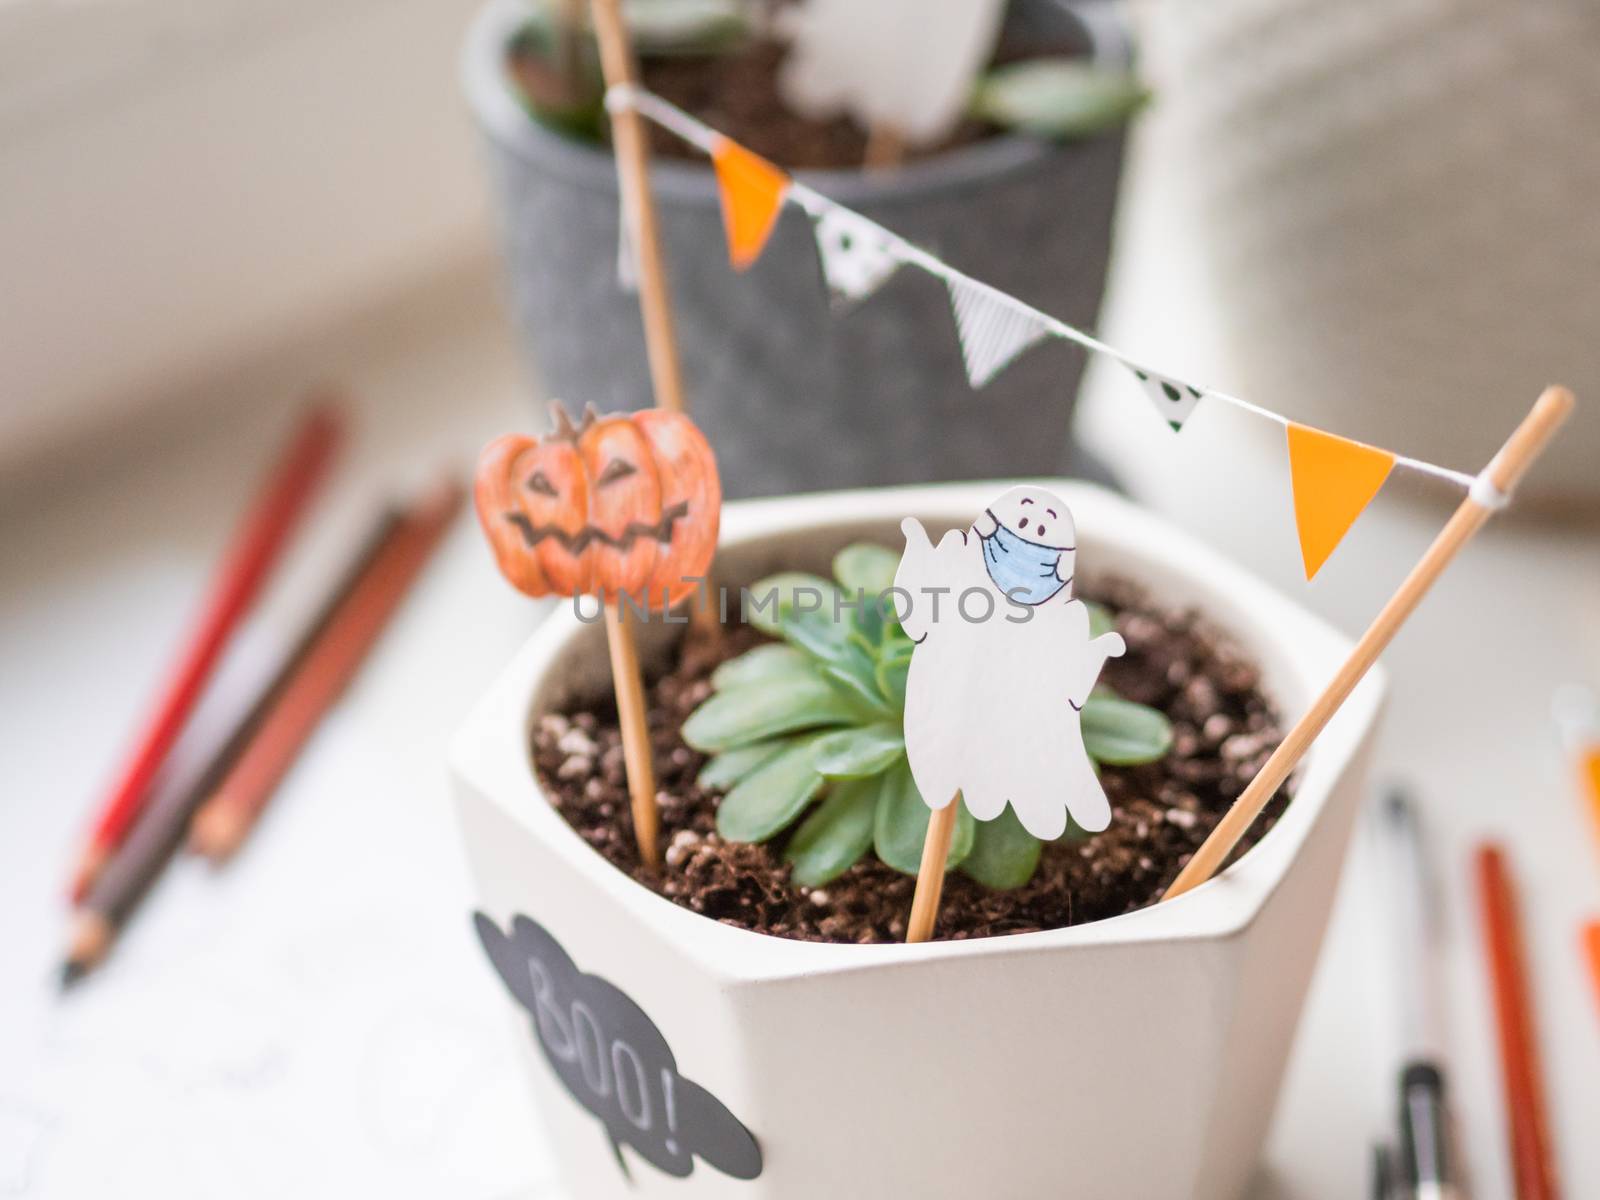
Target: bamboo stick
930	872
886	148
639	210
625	678
639	207
1524	446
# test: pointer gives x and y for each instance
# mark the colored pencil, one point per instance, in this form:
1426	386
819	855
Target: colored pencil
223	821
253	673
1591	785
256	546
1591	944
1532	1161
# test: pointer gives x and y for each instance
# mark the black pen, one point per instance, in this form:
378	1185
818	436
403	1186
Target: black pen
1425	1169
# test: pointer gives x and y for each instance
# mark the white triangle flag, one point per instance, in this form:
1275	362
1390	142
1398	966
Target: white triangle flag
1174	400
994	328
857	256
627	264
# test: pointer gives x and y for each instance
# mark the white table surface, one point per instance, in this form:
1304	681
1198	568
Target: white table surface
316	1019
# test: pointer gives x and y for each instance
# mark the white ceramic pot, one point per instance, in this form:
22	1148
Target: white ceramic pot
1134	1057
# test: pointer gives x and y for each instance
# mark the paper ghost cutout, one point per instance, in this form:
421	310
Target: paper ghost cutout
612	1058
1002	666
905	64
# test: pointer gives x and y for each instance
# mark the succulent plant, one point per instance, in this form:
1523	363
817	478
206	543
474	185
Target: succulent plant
807	733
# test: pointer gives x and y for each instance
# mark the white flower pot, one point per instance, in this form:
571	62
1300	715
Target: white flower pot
1133	1057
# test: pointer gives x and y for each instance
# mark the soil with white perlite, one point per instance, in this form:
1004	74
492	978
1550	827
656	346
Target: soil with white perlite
1223	730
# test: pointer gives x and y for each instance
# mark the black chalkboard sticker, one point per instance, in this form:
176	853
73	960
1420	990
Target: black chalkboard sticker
613	1059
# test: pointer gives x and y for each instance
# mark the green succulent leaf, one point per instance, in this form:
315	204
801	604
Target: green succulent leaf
860	753
816	633
767	663
834	837
868	620
729	767
1004	854
1121	733
767	800
1100	619
1058	97
753	712
855	670
866	568
900	825
890	674
775	595
667	27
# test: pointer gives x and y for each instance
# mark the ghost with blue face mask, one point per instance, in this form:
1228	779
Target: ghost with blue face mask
1003	663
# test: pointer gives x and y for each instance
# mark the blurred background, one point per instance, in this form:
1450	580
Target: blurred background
1375	217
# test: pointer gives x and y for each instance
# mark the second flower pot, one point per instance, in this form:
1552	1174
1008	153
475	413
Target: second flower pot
799	397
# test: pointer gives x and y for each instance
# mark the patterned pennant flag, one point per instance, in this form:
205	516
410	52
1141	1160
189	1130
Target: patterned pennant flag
994	328
627	264
1334	480
1173	398
752	192
857	256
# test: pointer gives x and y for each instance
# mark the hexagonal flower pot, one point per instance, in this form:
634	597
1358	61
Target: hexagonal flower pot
1138	1056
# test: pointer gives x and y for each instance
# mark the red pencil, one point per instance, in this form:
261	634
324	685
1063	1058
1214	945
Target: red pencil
256	546
221	824
1532	1163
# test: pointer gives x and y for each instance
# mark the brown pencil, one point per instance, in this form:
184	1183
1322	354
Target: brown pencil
250	679
223	821
1533	1166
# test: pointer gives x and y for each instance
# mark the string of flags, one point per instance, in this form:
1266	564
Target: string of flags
1333	478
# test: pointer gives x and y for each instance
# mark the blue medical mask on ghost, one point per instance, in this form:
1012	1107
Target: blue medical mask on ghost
1023	570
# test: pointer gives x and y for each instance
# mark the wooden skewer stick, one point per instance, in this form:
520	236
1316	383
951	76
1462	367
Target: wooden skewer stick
930	872
886	148
639	207
639	211
1525	445
635	735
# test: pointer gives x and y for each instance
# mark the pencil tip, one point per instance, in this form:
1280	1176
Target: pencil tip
71	971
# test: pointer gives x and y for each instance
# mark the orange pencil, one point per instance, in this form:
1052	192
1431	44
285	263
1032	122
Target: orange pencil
1590	765
1532	1163
221	824
1591	943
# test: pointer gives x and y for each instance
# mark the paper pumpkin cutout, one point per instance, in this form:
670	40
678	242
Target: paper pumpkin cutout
1003	664
908	65
620	505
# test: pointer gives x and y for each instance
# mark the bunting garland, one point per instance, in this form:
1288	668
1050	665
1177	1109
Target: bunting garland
751	190
627	263
1173	399
994	328
856	256
1333	479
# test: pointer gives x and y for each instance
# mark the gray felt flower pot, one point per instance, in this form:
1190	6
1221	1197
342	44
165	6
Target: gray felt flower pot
793	395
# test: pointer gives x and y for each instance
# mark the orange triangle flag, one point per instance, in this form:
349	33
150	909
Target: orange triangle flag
752	191
1334	481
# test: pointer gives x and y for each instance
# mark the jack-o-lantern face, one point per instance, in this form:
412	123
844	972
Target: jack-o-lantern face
622	504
